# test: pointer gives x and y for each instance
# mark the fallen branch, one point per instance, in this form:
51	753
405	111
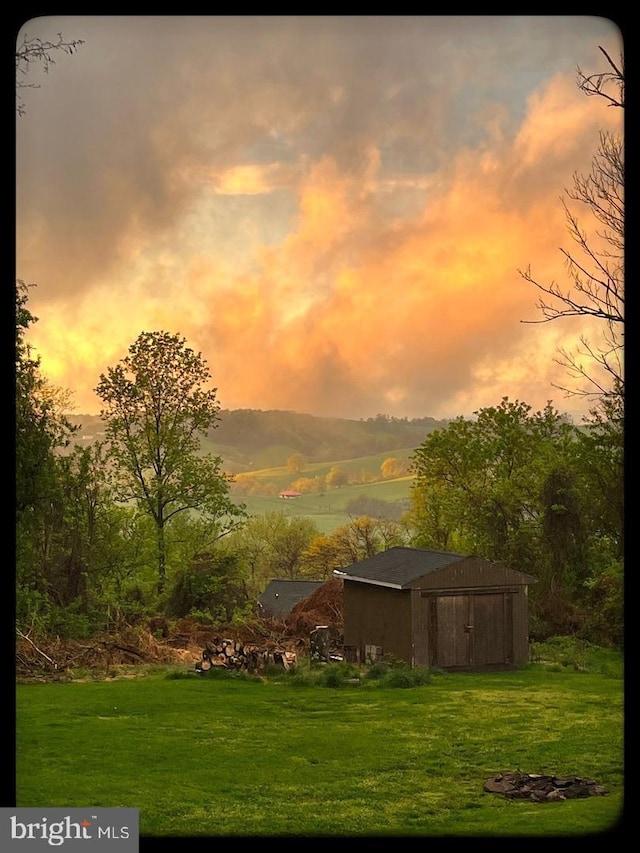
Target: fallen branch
40	652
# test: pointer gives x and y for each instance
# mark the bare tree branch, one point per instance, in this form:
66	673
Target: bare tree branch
35	50
596	269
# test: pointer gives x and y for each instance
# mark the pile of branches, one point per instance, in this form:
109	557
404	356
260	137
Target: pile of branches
322	607
47	658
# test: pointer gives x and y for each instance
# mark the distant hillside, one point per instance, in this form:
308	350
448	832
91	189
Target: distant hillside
251	439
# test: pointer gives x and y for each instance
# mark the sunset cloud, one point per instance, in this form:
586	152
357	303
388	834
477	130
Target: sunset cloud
335	221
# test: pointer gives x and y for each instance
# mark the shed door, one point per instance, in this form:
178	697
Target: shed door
488	633
473	630
453	646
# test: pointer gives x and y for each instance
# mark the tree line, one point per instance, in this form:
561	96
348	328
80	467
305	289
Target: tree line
142	523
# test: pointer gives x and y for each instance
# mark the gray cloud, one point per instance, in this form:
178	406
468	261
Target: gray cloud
125	144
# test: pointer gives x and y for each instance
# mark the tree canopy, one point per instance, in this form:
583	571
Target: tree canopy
157	406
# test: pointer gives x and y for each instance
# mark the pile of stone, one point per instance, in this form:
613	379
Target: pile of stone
541	788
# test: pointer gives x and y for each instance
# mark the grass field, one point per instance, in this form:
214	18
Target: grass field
204	756
328	511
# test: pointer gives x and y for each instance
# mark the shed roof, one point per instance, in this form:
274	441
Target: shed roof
399	566
281	596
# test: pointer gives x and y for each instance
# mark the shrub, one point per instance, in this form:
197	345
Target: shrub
377	670
407	677
573	653
339	674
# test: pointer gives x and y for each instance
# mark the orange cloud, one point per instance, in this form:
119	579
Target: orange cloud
358	310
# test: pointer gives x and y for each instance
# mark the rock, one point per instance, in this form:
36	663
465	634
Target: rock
555	795
540	787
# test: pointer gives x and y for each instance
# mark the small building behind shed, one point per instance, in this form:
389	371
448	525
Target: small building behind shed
281	596
437	609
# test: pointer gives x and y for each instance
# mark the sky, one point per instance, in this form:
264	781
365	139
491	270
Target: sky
334	210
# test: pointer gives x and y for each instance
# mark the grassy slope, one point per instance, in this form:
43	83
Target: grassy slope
328	511
215	757
329	436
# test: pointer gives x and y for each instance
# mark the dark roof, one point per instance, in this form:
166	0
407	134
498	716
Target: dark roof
281	596
398	567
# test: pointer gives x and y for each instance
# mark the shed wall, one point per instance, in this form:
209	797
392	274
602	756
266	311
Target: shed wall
378	616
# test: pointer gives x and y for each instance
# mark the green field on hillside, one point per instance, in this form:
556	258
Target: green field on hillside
328	510
369	465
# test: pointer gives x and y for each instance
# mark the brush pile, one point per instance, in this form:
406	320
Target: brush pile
46	658
158	641
322	607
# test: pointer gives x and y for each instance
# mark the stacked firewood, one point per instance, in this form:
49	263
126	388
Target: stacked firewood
249	657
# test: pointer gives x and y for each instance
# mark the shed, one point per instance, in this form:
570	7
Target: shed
435	608
281	596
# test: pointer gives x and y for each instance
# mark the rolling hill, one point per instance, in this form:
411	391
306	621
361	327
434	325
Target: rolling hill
257	444
250	440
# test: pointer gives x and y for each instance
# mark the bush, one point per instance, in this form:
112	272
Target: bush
339	674
604	622
407	677
572	653
377	670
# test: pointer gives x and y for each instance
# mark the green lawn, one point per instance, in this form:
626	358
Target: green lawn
202	756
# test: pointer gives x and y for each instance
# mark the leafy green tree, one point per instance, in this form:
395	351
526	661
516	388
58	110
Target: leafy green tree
40	425
486	475
271	546
435	517
123	565
601	480
601	449
210	586
538	494
157	405
41	429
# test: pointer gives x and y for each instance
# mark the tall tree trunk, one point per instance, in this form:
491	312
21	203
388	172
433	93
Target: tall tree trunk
162	557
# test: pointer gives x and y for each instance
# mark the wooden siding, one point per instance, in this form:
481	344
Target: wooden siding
471	572
471	614
378	616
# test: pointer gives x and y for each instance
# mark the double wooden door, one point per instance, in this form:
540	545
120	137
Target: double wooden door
471	630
